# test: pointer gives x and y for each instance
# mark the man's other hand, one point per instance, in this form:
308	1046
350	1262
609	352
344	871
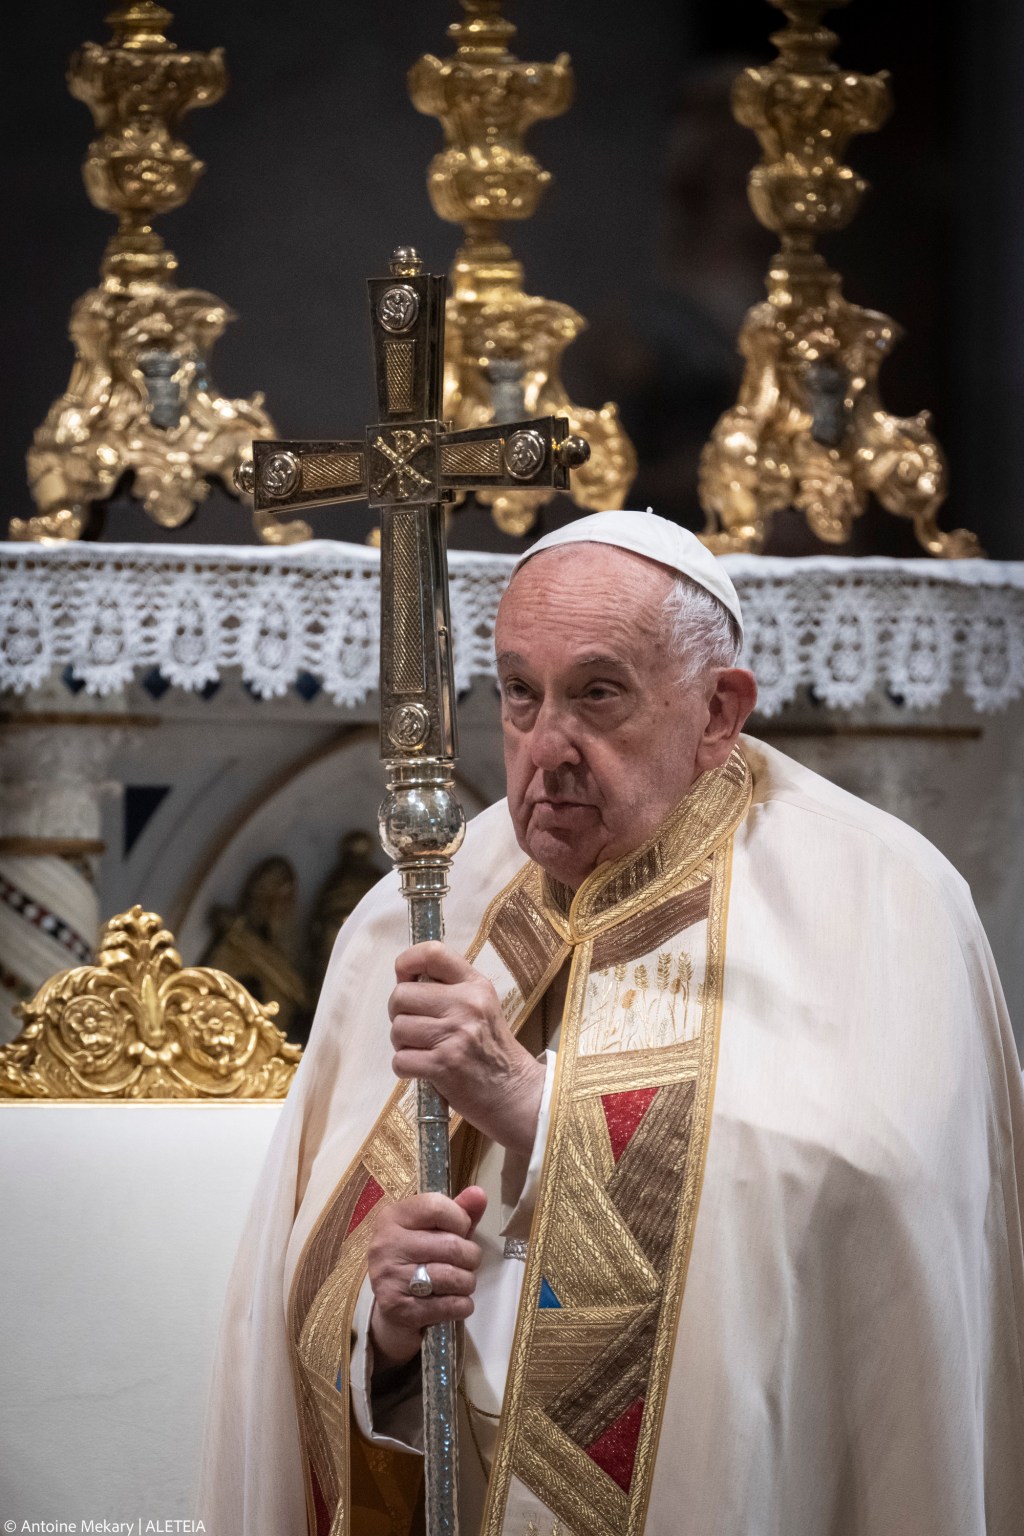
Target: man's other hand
430	1230
447	1026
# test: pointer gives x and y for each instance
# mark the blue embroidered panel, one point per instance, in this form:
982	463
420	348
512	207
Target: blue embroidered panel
547	1295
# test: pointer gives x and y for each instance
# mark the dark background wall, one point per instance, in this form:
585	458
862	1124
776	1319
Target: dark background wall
316	166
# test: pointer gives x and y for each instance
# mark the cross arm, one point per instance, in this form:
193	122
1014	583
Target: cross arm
290	475
515	456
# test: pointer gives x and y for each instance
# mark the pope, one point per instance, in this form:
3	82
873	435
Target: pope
736	1234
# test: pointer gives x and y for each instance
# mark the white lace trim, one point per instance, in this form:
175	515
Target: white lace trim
844	626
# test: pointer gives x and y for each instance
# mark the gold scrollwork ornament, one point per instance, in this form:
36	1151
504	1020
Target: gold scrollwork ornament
137	1025
140	400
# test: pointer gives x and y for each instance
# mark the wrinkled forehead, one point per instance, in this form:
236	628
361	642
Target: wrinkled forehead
566	567
582	594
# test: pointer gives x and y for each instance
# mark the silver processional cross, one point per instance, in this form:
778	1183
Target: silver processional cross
409	464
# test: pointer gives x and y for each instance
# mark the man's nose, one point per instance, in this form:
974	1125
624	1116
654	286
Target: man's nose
552	740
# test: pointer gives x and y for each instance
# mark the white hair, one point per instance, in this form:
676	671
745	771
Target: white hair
702	633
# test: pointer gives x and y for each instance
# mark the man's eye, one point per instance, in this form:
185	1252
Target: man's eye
598	692
515	691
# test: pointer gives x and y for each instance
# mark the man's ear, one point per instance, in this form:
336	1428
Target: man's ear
732	696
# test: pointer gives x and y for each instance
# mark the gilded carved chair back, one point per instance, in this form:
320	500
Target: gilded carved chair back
139	1025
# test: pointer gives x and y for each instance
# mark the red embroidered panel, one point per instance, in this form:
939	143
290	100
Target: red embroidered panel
321	1513
615	1449
623	1113
370	1193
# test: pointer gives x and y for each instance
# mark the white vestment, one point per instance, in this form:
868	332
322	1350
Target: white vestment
849	1352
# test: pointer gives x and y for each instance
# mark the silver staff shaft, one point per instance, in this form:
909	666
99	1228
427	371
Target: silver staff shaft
440	1404
421	826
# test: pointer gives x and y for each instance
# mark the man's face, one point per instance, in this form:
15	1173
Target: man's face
601	739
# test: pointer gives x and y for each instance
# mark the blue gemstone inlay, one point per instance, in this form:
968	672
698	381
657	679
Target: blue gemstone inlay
547	1295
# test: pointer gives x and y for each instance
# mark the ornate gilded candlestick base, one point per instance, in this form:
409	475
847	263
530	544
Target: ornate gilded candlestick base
809	429
140	399
504	346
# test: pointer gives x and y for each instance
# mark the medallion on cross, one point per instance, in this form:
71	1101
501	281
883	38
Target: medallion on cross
398	308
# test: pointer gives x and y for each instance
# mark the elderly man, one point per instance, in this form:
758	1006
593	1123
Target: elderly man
737	1232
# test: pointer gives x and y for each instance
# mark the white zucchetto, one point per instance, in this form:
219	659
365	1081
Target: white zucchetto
644	533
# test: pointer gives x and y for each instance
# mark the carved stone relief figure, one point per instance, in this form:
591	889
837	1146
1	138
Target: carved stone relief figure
358	868
255	944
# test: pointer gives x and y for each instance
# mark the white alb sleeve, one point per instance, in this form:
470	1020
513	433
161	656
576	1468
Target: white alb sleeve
391	1416
520	1176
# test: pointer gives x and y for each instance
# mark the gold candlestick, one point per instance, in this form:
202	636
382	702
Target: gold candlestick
504	346
809	429
140	398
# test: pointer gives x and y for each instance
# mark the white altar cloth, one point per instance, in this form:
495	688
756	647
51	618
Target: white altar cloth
844	625
118	1227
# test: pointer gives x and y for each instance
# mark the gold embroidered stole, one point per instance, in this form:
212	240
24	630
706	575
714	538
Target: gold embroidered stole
615	1216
